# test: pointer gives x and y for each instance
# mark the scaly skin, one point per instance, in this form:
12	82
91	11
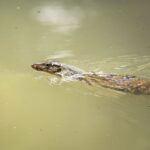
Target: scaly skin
126	83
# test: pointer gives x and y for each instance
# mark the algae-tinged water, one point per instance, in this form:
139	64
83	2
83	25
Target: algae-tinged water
40	112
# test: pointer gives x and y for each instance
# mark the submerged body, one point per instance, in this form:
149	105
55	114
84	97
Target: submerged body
124	83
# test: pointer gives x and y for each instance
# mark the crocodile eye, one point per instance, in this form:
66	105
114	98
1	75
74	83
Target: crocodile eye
47	65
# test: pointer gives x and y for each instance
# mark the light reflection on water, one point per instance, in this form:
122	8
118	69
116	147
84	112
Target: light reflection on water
38	111
62	19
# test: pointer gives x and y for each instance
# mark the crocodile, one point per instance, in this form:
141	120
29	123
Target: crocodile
126	83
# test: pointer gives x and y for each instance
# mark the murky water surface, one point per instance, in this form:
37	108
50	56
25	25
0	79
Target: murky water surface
39	111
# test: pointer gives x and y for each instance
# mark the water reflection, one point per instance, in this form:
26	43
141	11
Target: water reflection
39	112
61	54
60	18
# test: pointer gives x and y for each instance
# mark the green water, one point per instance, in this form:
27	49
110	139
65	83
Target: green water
40	112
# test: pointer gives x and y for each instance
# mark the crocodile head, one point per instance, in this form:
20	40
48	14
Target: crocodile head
52	67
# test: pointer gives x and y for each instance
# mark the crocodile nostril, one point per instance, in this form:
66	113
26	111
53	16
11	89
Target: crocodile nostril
36	67
33	66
